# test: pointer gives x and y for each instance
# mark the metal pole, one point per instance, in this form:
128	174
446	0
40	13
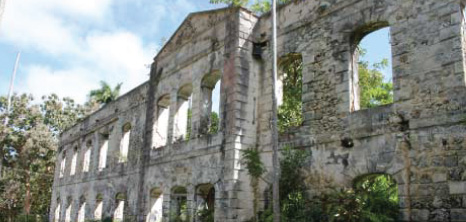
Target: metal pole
10	92
276	168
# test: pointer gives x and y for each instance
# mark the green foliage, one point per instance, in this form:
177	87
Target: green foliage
254	165
214	123
373	198
205	214
259	6
231	2
179	211
379	196
374	91
29	144
105	94
290	111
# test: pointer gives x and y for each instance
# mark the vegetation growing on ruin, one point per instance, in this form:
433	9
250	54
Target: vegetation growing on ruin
290	111
373	198
214	123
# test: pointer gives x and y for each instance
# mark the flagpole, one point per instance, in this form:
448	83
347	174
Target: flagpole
12	81
8	109
276	168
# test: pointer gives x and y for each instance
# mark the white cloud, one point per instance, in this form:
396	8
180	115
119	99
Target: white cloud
55	28
74	83
117	57
81	42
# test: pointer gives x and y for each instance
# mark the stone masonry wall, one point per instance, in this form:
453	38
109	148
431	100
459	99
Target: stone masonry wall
420	139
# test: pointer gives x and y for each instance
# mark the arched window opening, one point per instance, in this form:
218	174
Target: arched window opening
68	211
99	204
82	209
179	205
156	201
205	203
182	126
57	211
103	153
378	195
74	161
163	114
118	215
289	91
124	144
87	157
63	165
371	81
210	107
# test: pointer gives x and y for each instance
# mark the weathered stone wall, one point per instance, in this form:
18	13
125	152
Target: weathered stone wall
420	139
115	177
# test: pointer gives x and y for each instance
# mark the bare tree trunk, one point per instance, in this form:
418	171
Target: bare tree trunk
27	199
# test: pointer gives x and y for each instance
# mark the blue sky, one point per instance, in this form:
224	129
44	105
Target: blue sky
378	48
68	46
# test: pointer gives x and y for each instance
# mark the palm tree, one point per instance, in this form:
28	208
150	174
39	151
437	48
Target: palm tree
105	94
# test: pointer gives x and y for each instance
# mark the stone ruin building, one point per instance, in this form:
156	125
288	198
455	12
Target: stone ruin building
134	160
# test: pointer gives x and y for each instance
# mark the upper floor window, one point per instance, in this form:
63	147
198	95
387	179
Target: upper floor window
289	91
163	115
210	107
372	83
87	157
63	165
103	153
182	126
74	161
124	144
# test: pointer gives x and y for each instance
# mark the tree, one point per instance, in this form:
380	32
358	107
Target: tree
258	6
374	91
290	111
30	143
105	94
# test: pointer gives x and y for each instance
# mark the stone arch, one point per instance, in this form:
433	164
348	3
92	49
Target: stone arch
210	94
120	205
87	156
124	142
355	92
99	205
205	202
155	205
182	123
69	207
74	160
289	90
163	114
82	209
57	211
379	193
179	204
103	150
